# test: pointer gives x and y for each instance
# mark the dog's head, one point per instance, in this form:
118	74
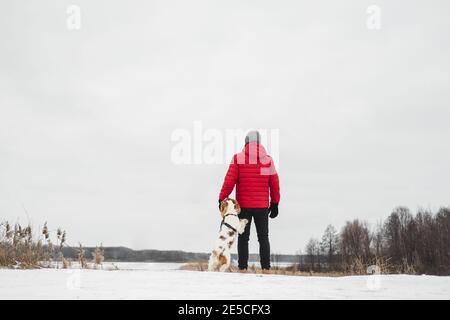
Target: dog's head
229	205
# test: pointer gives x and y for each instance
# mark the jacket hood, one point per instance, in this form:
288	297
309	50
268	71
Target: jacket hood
255	150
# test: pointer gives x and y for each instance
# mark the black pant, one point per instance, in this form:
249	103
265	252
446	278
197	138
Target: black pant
261	217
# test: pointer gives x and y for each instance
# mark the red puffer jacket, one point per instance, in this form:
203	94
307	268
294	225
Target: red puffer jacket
253	172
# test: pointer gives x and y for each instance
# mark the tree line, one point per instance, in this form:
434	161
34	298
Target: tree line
402	243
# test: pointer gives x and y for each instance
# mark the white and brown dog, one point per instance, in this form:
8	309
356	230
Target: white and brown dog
230	227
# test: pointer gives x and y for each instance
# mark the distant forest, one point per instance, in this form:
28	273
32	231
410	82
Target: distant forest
123	254
403	243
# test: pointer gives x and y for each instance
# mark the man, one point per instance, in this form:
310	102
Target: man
253	172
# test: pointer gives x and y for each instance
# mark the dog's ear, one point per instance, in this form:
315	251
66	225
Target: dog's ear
223	206
237	207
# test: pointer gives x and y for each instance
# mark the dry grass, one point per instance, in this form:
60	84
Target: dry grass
20	248
98	256
375	265
195	266
253	269
81	257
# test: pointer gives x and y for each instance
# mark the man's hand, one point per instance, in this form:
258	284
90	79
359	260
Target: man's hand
273	210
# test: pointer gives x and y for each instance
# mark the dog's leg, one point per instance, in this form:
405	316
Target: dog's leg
224	267
213	261
242	225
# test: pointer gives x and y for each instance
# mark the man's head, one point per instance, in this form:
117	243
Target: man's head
253	136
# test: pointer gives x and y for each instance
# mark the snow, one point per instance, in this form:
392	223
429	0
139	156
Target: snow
166	281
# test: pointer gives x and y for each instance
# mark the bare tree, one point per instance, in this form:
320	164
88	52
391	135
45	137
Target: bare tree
355	242
400	235
443	230
329	244
311	250
378	240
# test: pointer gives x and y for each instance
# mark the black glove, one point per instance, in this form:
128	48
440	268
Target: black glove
273	210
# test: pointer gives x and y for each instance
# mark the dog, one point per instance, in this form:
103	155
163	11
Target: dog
220	259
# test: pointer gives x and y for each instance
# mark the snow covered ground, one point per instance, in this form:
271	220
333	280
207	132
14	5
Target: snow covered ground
165	281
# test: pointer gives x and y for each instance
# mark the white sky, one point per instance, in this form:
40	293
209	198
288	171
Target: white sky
86	116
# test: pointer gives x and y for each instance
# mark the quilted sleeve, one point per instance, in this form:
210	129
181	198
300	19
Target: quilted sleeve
274	185
230	179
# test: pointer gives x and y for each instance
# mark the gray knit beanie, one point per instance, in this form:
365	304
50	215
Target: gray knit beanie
253	136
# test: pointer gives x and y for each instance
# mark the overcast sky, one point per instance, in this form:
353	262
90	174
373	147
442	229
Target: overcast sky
86	116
